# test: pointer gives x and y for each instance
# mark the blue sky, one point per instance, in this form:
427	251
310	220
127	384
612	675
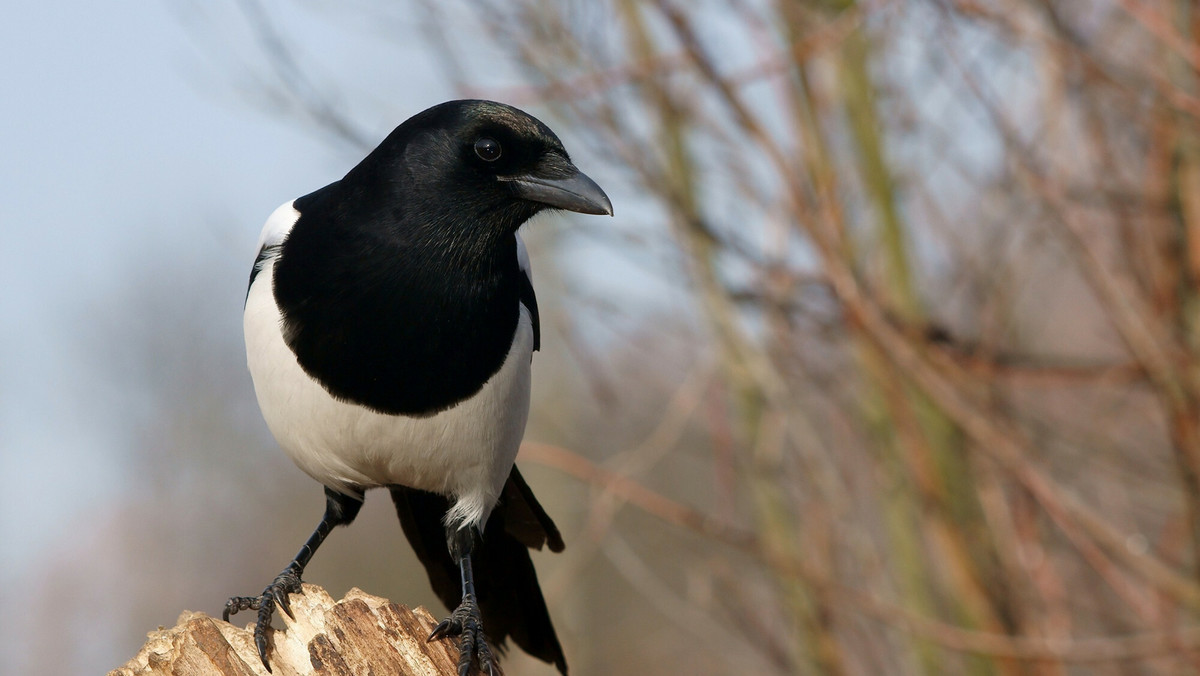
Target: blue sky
126	128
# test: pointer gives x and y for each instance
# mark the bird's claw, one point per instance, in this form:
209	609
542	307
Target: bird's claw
465	622
275	594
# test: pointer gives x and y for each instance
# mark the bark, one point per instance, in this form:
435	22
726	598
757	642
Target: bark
359	634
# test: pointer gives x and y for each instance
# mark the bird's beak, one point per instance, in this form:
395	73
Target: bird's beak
573	191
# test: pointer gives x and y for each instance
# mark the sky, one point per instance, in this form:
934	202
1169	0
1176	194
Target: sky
133	131
111	144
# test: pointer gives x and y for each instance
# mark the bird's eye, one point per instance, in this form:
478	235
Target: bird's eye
487	149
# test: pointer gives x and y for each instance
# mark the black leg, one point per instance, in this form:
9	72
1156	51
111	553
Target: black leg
465	621
340	510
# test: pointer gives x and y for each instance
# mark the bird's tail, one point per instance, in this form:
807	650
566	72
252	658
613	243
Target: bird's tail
509	596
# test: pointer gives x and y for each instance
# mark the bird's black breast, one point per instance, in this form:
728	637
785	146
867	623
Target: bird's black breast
394	317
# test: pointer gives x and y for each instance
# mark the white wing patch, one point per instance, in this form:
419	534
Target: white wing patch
278	225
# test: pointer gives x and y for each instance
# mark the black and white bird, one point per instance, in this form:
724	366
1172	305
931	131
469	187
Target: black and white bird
390	323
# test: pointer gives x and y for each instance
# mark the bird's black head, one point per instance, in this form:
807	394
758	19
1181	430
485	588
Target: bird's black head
478	168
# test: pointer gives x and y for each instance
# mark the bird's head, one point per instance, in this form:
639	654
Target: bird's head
484	164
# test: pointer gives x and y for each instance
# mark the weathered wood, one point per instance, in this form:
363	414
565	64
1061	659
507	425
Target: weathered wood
360	634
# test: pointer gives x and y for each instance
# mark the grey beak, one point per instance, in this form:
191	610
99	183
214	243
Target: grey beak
574	192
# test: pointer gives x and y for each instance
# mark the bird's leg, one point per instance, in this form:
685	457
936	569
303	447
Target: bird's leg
340	510
466	622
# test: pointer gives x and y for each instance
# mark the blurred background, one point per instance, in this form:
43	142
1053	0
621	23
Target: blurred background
889	362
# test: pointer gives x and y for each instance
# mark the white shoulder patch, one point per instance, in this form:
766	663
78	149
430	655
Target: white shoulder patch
522	258
278	225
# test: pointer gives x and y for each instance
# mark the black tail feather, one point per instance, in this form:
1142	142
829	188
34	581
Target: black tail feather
510	599
524	517
421	518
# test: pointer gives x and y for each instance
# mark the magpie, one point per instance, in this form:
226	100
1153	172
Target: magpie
390	322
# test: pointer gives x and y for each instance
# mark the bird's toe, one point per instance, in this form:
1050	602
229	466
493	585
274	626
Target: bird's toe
275	595
445	629
238	603
473	649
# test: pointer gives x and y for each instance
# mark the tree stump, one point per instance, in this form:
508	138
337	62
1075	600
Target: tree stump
360	634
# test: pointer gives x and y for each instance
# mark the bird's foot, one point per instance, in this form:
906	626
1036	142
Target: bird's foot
276	594
466	623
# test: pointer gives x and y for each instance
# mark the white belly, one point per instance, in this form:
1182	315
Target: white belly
465	452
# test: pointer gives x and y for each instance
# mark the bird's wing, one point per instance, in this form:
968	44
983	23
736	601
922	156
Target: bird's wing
276	229
528	298
278	225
